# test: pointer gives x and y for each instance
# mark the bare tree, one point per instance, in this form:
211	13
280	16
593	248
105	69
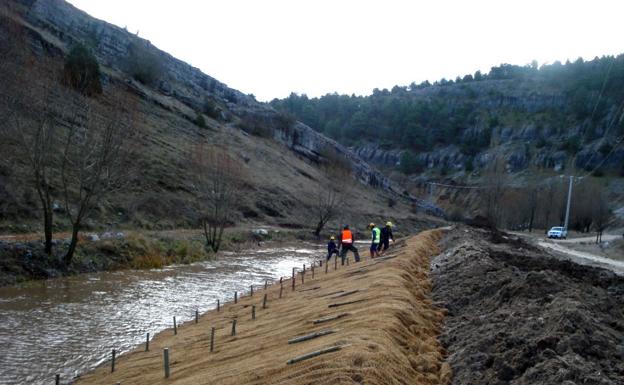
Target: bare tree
602	215
97	150
533	192
35	137
495	180
217	179
332	190
27	118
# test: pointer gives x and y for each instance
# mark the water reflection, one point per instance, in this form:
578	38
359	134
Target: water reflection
70	325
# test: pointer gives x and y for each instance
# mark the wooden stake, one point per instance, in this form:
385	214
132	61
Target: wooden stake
196	315
310	336
346	303
212	334
346	293
327	319
253	312
312	271
313	354
235	297
302	276
166	361
266	284
218	305
336	262
233	327
251	290
281	290
113	361
147	343
326	266
57	379
264	301
175	326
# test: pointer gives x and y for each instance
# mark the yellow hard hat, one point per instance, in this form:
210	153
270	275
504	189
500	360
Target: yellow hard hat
389	224
371	224
332	237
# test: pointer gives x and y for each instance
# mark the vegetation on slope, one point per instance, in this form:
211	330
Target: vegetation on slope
566	106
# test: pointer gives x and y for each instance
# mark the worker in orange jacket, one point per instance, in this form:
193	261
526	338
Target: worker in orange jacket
346	244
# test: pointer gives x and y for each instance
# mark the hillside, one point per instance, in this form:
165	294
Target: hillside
556	117
521	127
174	106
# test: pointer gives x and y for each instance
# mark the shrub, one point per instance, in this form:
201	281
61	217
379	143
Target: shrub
143	63
211	109
200	121
572	145
410	164
605	148
82	71
468	164
598	173
256	125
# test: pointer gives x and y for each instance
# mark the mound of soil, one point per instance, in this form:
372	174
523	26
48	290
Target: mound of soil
519	316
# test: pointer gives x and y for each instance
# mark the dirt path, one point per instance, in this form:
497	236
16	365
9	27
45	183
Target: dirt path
387	334
605	237
584	257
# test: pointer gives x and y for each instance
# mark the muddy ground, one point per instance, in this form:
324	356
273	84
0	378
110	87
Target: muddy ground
516	315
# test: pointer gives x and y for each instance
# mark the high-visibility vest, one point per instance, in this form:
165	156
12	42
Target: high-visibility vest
347	237
376	234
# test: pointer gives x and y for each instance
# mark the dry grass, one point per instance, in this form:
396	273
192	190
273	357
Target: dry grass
389	338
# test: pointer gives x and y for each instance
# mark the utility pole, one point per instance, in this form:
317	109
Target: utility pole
567	217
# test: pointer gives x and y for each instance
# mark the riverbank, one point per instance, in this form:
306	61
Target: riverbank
22	257
388	334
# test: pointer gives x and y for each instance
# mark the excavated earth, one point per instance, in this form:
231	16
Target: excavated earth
518	315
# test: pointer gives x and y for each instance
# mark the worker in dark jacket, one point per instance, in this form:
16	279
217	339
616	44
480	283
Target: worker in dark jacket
386	236
346	244
332	248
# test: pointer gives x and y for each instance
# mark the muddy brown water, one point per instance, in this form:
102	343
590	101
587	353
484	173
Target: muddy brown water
71	325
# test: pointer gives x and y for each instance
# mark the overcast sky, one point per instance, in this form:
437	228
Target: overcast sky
273	47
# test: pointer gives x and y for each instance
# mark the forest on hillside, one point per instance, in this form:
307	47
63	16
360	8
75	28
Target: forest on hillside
567	106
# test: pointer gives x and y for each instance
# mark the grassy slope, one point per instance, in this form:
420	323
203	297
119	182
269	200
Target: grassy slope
280	188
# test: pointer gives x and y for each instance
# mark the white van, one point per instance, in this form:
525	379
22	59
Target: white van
558	232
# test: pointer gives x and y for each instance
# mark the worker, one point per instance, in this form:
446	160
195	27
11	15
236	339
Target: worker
332	248
375	238
386	236
346	244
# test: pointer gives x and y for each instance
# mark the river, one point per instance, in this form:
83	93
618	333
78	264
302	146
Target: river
70	325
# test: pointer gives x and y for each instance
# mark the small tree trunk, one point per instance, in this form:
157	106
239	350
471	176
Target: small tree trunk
217	241
47	230
319	228
206	232
72	244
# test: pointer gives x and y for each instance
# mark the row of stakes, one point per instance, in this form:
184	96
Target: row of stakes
167	368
